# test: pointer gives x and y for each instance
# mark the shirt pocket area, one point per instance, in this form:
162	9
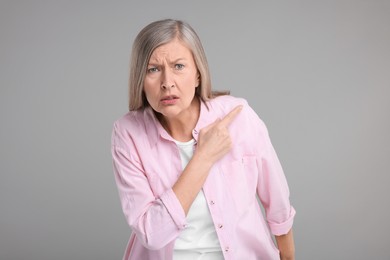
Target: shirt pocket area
241	179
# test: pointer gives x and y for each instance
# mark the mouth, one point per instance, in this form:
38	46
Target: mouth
169	100
170	97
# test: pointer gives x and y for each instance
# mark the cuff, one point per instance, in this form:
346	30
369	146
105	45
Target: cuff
174	208
283	228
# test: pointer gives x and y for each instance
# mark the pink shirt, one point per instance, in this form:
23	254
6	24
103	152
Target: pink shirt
147	164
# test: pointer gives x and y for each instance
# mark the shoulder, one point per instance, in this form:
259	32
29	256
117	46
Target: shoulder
248	116
130	120
130	124
226	103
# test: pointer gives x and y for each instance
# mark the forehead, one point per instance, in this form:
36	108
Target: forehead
172	50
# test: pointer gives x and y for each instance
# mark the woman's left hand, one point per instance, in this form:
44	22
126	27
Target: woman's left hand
286	246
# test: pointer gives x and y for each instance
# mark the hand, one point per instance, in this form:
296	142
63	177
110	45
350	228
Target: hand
213	143
286	246
214	140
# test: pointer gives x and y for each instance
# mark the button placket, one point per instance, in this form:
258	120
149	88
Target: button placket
195	133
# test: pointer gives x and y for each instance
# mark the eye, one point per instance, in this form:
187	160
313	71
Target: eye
179	66
152	70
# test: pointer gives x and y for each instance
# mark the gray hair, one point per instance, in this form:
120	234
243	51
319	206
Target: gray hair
154	35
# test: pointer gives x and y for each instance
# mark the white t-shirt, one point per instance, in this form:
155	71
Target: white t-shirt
199	240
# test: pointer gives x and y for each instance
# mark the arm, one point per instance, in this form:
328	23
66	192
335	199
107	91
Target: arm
214	142
286	246
191	180
273	191
159	220
155	220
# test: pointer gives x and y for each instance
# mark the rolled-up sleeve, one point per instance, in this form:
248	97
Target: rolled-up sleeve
155	219
272	187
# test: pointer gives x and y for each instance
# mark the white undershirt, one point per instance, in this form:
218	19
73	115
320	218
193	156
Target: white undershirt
198	241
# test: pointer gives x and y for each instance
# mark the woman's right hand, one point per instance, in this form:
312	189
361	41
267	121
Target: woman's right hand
214	140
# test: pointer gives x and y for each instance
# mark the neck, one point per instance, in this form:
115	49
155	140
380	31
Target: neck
180	127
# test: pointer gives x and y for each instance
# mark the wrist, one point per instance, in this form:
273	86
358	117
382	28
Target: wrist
203	160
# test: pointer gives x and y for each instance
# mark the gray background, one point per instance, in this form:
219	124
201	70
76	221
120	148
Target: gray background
317	72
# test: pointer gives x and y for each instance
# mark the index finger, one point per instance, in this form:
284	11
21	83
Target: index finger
228	119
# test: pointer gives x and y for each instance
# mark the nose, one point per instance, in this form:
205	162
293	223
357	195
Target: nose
167	81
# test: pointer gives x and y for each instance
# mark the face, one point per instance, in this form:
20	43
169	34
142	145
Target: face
171	79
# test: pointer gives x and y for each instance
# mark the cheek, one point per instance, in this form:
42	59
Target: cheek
150	96
146	91
149	88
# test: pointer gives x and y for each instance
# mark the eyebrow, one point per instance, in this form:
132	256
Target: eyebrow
173	62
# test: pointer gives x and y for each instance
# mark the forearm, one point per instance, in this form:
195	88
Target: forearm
286	246
191	181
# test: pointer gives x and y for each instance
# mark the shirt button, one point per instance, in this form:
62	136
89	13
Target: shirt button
220	226
195	132
212	202
227	249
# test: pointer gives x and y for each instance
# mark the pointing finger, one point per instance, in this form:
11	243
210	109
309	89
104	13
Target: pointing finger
228	119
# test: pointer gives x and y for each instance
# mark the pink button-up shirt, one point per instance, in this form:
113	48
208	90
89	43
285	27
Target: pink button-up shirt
147	164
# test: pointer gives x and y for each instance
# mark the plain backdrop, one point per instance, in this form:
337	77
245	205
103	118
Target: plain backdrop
317	73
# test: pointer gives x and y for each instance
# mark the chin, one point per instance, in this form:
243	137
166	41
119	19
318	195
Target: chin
168	112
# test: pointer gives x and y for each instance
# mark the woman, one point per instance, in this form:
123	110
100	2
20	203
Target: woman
189	163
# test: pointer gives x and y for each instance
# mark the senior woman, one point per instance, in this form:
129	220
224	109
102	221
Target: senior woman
190	163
